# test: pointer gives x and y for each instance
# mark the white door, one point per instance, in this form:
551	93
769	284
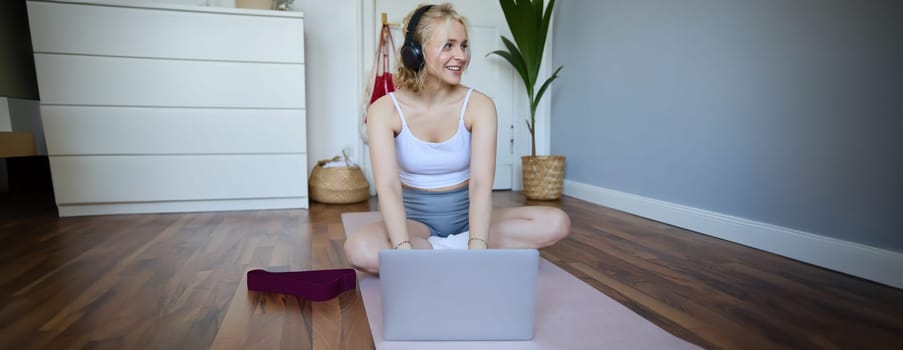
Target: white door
491	75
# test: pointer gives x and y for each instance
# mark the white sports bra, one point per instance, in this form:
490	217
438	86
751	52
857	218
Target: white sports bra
428	165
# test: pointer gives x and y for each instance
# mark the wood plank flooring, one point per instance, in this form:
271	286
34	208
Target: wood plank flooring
177	281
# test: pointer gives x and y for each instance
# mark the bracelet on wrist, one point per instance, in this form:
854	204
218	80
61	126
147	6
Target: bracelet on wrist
403	242
478	239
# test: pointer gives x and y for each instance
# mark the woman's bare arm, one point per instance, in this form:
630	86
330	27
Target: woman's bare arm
382	123
484	126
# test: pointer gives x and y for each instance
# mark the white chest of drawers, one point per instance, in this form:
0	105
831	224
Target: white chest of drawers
164	108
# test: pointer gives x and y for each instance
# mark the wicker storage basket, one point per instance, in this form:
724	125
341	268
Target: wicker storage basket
543	177
338	185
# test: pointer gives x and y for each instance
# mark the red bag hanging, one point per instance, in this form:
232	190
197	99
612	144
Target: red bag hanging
382	78
383	83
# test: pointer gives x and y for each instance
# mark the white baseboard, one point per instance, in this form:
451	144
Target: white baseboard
182	206
879	265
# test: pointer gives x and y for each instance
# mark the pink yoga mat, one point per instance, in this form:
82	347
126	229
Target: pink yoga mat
570	314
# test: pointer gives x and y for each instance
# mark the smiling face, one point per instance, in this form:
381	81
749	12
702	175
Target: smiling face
446	52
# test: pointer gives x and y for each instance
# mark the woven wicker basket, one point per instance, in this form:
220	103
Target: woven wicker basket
338	185
543	177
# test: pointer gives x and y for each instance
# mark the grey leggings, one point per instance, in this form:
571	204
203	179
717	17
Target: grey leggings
445	213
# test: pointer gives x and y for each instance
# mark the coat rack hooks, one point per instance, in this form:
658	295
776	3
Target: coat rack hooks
385	18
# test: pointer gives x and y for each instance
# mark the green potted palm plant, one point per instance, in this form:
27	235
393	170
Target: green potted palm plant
542	176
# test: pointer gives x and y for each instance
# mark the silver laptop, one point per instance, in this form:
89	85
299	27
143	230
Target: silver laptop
458	294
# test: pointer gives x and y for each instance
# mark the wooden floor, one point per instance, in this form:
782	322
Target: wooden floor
176	281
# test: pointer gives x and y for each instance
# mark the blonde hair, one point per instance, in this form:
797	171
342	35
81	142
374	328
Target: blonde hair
406	78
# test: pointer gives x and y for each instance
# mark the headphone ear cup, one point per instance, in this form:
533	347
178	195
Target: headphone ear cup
411	51
412	57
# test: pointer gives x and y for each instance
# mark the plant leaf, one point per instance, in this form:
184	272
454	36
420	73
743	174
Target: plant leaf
523	28
515	62
528	39
542	89
528	75
543	28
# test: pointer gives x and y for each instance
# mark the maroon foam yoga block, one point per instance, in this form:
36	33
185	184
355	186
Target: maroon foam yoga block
316	285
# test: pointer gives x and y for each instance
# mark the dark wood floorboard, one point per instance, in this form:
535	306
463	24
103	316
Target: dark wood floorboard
177	281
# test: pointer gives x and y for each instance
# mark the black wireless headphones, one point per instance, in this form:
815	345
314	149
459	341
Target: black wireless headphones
411	50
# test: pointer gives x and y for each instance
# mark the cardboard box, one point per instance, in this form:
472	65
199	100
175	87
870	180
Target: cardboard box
254	4
17	144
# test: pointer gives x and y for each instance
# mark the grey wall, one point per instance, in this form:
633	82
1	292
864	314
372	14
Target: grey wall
17	74
783	112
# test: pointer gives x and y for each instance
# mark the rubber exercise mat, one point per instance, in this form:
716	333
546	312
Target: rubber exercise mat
570	314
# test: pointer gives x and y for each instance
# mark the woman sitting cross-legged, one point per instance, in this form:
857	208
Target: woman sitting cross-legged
432	147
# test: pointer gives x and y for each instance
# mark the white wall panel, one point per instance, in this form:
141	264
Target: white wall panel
82	130
90	80
109	179
168	32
